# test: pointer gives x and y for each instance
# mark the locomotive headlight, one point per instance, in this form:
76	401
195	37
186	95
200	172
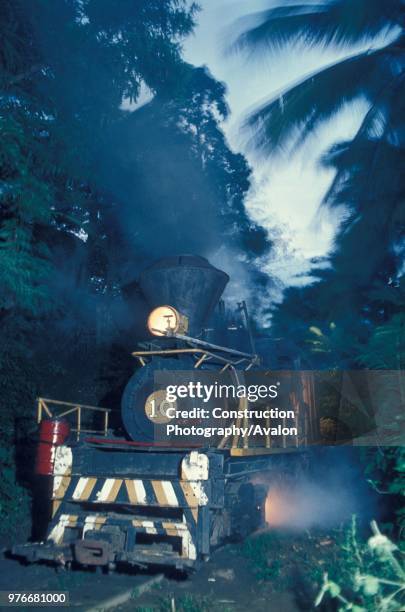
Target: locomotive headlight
166	320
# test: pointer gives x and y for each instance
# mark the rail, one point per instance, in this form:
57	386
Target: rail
76	410
208	352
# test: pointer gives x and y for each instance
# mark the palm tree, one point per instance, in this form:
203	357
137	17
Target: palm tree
376	74
369	180
368	168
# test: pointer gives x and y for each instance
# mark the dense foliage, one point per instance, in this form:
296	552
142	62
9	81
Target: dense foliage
357	298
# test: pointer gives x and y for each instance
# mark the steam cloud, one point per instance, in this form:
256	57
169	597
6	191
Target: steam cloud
325	498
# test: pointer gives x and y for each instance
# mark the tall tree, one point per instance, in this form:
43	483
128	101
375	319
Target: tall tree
64	70
369	245
375	74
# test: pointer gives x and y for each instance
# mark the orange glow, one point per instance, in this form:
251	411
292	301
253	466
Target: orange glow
279	508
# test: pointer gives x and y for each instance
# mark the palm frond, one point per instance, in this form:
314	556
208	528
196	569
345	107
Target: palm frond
303	107
338	22
371	162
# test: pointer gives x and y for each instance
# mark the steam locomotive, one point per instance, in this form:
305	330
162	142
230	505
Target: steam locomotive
137	497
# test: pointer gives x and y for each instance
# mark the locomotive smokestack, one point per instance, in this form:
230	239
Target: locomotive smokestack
189	283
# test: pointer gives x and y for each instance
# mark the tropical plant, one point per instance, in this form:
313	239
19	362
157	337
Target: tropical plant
374	573
64	70
368	178
369	244
375	73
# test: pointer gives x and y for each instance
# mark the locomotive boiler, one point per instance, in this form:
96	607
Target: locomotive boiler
135	496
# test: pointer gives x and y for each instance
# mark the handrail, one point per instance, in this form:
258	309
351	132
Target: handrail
72	408
201	354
